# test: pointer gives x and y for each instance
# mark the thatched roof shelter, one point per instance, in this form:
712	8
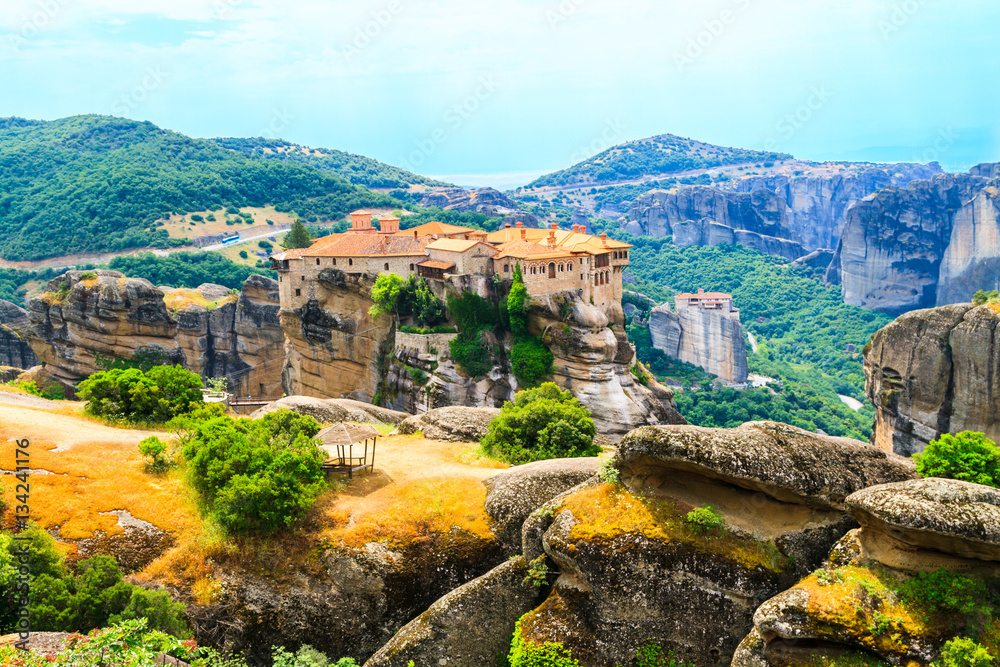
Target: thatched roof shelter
351	447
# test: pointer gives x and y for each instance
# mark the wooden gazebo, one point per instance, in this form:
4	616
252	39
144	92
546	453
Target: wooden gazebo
351	447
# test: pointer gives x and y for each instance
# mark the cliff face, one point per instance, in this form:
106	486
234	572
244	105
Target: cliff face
14	349
593	360
83	316
712	340
482	200
932	372
933	243
335	349
779	215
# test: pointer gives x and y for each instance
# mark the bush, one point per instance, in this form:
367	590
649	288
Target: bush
704	519
524	653
964	652
531	361
256	475
948	593
385	293
306	656
132	395
475	316
154	448
967	456
417	300
982	296
243	254
542	423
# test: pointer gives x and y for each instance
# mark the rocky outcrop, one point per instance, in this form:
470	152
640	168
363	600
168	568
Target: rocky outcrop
14	348
936	242
515	493
335	348
332	410
469	627
451	424
482	200
634	567
710	339
868	601
349	602
86	317
593	360
787	216
931	372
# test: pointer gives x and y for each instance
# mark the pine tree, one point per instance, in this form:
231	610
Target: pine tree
297	237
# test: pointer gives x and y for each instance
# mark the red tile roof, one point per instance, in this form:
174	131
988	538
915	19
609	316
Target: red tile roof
368	245
432	264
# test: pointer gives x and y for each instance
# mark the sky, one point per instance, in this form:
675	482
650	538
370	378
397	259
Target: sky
499	92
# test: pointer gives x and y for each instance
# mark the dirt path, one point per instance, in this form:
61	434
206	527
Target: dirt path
57	423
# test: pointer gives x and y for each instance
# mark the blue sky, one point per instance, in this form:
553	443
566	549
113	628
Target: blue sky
506	90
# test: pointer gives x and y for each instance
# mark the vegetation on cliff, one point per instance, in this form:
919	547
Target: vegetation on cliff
966	456
542	423
530	360
95	183
477	319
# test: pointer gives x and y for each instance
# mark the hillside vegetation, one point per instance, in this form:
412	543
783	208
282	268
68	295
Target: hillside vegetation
99	184
357	169
653	156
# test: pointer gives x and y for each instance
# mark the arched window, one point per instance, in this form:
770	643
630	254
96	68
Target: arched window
561	267
597	279
387	266
317	261
506	268
552	270
569	266
350	262
532	270
335	261
411	267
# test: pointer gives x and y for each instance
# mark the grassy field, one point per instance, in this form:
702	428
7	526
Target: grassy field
178	226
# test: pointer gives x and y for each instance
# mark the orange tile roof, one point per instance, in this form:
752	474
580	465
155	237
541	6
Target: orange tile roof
525	249
368	245
433	264
573	241
439	228
362	211
456	245
294	253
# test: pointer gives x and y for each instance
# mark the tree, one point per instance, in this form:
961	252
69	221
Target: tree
542	423
154	448
132	395
530	359
982	296
256	475
297	237
967	456
385	294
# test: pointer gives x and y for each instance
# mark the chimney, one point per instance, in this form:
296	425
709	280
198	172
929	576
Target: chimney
507	226
554	226
388	224
604	239
576	229
518	225
415	234
701	290
552	236
524	232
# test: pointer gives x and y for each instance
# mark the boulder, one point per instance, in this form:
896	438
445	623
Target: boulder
453	424
14	348
331	410
944	515
635	567
469	627
517	492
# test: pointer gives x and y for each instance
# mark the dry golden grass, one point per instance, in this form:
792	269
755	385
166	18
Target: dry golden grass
401	514
606	511
180	226
178	299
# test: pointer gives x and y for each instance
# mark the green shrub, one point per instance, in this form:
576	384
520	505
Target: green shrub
306	656
256	475
608	473
154	448
542	423
968	456
527	654
417	300
948	593
243	254
385	293
982	296
475	316
964	652
131	395
538	572
531	361
653	655
704	519
88	275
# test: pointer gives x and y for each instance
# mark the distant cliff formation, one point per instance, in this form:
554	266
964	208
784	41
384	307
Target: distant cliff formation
710	339
778	215
14	349
934	371
85	316
482	200
933	243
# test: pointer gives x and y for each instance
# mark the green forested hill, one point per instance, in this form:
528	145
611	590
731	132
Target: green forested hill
653	156
357	169
96	183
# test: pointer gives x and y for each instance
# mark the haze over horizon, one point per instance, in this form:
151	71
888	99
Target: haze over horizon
498	95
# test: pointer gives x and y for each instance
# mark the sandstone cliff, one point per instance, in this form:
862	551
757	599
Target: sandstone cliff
14	349
593	359
787	216
932	372
482	200
936	242
710	339
85	316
